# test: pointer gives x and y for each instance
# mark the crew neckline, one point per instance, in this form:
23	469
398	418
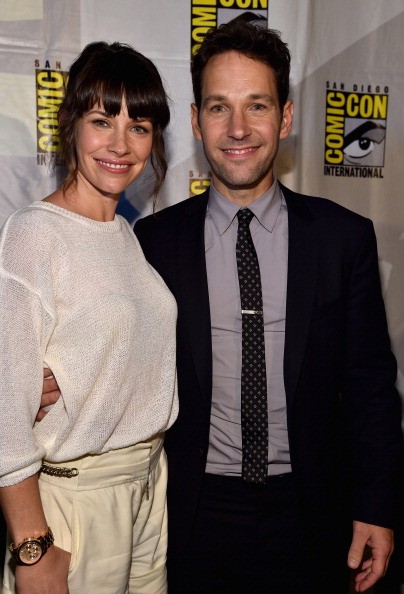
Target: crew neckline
114	225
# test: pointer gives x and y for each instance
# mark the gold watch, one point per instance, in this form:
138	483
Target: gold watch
31	550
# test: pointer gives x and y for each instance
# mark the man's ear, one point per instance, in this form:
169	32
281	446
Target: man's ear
195	122
287	119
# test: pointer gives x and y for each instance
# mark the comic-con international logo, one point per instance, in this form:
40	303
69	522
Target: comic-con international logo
199	181
209	14
50	90
355	131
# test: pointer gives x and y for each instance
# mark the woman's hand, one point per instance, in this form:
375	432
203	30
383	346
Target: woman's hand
50	393
48	576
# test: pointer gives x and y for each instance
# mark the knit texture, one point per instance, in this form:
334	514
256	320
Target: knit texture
78	296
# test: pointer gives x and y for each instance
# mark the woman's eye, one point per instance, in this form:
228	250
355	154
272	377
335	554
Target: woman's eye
100	123
142	127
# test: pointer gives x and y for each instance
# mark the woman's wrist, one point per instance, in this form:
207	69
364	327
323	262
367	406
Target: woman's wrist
32	548
22	509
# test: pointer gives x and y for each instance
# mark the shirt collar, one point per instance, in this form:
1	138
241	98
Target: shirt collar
266	208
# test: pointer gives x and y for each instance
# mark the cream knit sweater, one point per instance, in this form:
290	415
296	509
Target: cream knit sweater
78	296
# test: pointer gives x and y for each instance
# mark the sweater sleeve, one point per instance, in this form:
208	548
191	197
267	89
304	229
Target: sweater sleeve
25	326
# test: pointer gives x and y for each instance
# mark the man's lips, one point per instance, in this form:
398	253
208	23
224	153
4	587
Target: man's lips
240	152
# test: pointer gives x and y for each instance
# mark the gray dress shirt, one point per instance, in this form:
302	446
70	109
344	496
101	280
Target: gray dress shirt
269	230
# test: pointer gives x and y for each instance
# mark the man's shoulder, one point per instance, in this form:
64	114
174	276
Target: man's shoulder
317	207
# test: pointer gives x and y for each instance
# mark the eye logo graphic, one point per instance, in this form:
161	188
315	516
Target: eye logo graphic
355	133
364	145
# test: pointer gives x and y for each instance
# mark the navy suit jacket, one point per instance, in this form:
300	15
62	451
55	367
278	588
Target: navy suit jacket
342	406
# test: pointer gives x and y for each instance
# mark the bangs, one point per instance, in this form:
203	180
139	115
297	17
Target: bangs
133	83
111	98
108	76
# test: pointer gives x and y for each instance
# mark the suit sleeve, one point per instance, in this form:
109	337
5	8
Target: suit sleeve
369	396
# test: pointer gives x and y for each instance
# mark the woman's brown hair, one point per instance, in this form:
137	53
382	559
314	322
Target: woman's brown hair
106	74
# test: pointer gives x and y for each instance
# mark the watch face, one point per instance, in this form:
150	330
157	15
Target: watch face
30	552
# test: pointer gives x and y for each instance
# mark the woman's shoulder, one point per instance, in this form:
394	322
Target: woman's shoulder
30	218
30	235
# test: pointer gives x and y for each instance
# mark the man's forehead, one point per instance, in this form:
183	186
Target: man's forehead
233	73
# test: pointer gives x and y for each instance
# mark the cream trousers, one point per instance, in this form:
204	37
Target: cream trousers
112	518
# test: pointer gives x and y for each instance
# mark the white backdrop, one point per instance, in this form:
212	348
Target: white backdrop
347	83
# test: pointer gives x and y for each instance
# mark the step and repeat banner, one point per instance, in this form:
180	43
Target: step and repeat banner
347	83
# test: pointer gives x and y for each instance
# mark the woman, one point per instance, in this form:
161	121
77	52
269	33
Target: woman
83	491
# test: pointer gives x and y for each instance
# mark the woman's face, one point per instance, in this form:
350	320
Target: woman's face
112	151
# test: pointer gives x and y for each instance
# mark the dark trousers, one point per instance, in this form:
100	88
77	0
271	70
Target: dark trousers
250	539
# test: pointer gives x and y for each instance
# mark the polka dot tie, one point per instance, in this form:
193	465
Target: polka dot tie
254	414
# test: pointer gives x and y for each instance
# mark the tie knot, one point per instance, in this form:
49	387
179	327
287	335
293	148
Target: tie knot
244	216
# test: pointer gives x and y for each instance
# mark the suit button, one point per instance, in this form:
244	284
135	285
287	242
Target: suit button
201	452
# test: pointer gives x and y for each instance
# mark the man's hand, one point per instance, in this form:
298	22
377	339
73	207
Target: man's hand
50	393
48	576
381	544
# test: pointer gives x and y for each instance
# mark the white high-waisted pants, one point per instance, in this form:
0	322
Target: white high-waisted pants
112	518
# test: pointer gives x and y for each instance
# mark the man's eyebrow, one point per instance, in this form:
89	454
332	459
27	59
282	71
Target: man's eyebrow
252	97
211	98
262	97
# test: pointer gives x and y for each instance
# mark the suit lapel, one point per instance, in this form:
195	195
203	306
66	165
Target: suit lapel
303	257
194	290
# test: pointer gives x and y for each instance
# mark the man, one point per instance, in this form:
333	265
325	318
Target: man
332	412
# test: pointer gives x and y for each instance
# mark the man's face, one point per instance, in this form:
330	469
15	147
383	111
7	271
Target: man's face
240	123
